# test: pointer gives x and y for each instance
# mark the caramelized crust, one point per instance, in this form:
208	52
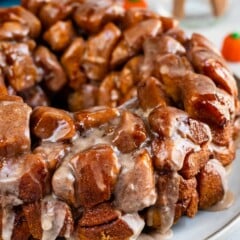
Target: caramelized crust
53	73
24	17
158	97
161	215
188	196
133	39
19	67
101	214
179	135
52	124
98	52
59	35
210	184
194	161
116	230
20	227
130	133
101	163
213	66
206	102
92	15
95	172
14	126
72	60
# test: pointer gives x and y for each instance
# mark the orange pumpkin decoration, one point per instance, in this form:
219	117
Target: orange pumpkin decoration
231	47
134	3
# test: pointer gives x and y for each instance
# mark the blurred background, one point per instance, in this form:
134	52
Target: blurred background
199	17
196	16
6	3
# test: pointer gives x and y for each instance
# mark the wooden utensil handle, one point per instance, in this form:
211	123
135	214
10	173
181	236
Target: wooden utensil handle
178	9
219	7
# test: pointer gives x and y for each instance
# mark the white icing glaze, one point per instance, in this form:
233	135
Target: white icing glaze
228	197
64	174
135	222
10	174
127	162
52	218
217	148
149	27
67	234
8	218
59	132
217	166
133	193
151	198
93	137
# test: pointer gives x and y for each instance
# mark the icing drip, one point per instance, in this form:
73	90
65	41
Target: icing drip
52	218
59	132
217	166
225	203
135	222
8	218
67	234
9	190
228	169
166	214
228	198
